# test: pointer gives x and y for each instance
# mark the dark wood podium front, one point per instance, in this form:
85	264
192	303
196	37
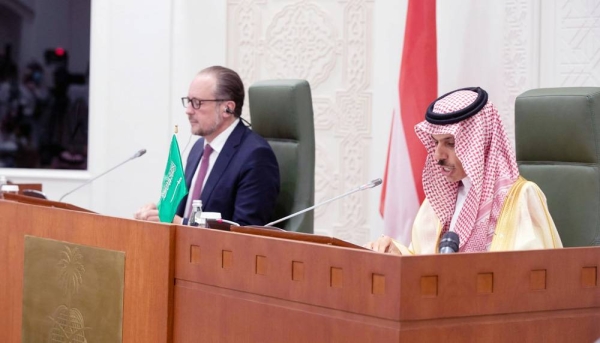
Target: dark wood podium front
233	287
147	316
184	284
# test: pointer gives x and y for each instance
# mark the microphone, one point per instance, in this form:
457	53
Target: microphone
371	184
136	155
449	243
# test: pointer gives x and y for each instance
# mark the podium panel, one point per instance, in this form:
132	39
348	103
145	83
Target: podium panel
148	248
232	287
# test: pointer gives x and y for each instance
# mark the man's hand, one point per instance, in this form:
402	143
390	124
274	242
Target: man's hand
384	245
178	220
147	212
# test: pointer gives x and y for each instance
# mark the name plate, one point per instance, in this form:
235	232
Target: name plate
71	292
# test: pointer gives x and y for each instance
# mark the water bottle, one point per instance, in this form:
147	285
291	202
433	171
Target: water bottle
196	218
3	181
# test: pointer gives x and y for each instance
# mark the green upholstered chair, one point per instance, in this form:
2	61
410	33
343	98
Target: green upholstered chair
558	147
281	111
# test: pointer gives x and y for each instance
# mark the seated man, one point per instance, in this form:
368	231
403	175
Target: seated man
231	169
472	184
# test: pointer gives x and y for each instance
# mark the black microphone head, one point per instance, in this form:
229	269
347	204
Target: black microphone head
371	184
139	153
449	243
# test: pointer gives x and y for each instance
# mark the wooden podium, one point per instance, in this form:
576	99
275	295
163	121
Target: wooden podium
148	263
185	284
235	287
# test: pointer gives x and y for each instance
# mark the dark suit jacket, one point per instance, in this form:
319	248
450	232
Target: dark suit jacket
244	182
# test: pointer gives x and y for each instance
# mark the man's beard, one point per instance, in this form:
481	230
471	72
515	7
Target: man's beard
209	131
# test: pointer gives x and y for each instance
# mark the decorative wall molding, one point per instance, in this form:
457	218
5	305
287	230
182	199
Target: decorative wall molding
577	43
519	67
301	41
329	44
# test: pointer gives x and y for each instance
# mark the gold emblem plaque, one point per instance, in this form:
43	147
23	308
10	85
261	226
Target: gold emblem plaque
71	292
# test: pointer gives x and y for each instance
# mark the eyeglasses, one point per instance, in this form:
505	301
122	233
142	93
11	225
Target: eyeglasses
196	103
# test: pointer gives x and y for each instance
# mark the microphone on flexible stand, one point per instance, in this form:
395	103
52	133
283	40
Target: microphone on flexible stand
136	155
449	243
371	184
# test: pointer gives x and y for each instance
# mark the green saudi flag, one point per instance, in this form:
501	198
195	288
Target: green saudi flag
173	185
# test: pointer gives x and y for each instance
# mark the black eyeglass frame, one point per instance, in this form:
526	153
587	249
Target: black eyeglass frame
199	101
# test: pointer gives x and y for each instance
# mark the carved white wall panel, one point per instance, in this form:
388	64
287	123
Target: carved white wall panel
243	28
578	43
301	41
351	116
352	221
519	57
358	37
325	168
491	44
325	113
327	43
570	43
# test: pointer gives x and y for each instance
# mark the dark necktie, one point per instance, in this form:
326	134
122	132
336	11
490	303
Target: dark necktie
202	173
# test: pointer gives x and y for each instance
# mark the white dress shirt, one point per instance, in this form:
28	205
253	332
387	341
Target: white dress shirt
463	190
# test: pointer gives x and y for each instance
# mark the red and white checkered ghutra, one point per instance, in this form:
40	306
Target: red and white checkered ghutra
482	146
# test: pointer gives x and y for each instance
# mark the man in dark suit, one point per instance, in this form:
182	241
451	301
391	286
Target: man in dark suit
231	169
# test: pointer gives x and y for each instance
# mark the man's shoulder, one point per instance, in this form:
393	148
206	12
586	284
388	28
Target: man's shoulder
526	187
253	140
250	148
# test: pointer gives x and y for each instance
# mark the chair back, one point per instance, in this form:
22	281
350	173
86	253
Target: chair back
281	111
557	133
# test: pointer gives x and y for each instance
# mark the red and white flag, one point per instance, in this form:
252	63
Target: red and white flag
402	191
